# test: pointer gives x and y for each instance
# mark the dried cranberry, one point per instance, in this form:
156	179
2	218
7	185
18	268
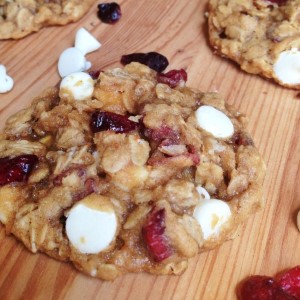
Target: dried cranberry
95	74
193	155
172	78
259	288
239	139
90	186
153	60
109	12
103	120
279	2
287	287
164	133
153	233
290	282
16	169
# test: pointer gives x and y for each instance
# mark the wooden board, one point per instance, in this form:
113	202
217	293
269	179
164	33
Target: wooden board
268	243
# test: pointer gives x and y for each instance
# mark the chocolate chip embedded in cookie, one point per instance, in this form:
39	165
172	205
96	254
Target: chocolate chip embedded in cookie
125	174
262	36
19	18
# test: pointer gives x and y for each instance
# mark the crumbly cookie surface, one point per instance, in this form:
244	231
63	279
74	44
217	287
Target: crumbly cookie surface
160	181
19	18
262	36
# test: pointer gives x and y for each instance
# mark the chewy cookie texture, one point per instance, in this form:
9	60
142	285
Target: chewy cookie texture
262	36
122	173
19	18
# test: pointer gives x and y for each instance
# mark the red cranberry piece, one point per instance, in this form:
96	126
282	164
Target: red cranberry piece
153	234
95	74
279	2
16	169
263	288
193	154
239	139
290	282
153	60
109	12
164	133
172	78
103	120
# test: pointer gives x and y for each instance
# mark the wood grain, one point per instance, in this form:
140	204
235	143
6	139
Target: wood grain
266	244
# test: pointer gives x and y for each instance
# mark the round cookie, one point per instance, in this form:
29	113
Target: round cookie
19	18
262	36
130	175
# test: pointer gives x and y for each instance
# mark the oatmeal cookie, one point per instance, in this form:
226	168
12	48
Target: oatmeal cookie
19	18
123	173
262	36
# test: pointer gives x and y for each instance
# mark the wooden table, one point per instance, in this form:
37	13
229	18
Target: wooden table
268	243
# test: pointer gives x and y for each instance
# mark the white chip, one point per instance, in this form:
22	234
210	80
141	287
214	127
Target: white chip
85	42
77	86
214	121
204	195
91	226
72	60
211	214
6	82
287	67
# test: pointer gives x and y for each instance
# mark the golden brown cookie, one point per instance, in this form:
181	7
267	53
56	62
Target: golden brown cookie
19	18
123	173
262	36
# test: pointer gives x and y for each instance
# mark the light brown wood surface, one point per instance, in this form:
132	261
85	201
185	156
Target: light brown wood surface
267	243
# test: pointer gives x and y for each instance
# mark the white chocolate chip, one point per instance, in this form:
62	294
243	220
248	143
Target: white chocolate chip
214	121
211	215
204	195
85	42
287	67
298	220
91	224
6	82
77	86
71	61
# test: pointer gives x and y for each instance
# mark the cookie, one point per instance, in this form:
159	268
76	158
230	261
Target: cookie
19	18
262	36
123	173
